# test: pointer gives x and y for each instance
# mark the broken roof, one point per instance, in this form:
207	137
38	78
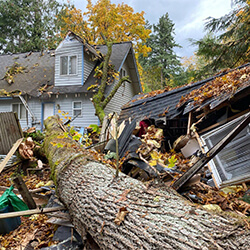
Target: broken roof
39	69
167	104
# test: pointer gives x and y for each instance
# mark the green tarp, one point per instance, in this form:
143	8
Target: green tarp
9	198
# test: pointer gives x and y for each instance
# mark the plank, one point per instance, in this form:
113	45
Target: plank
23	190
30	212
11	152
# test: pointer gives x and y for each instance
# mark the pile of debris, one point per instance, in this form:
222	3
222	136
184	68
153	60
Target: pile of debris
34	196
143	156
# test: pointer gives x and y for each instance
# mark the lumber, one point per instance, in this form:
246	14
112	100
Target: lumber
11	152
30	212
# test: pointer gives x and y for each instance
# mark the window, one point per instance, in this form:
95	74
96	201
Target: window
122	73
20	110
233	162
77	109
68	65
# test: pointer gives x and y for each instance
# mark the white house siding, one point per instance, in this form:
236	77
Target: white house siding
64	103
69	48
122	96
88	66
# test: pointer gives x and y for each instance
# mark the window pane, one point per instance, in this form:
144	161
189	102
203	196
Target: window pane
22	112
77	112
64	65
77	105
72	65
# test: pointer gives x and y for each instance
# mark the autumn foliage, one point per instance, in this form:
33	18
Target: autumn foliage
228	83
117	23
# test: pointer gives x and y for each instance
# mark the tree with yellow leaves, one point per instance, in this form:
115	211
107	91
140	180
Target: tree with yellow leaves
106	23
117	23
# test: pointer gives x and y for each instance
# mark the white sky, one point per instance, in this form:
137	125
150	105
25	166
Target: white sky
187	15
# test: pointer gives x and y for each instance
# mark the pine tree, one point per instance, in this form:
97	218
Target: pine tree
232	47
162	58
27	25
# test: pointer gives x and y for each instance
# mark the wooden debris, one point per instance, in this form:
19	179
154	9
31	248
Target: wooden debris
11	152
30	212
23	190
26	148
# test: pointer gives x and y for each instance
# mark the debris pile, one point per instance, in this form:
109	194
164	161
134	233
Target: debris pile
146	159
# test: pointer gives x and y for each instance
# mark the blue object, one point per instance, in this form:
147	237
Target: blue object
9	224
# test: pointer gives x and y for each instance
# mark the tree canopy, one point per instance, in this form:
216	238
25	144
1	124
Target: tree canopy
231	47
117	23
162	62
28	25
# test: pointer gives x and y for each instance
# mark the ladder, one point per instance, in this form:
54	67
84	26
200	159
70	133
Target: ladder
27	108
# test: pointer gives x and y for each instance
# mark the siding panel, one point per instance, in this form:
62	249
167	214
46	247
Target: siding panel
69	48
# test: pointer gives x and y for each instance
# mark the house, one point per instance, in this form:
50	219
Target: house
58	80
205	111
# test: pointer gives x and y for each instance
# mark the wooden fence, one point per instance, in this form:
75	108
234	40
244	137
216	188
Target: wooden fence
10	131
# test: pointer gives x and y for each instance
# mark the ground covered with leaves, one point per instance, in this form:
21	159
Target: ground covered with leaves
34	230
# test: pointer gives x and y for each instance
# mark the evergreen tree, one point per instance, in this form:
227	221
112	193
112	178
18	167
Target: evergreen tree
232	47
27	25
162	58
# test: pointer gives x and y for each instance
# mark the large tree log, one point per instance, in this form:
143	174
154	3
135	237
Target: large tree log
157	218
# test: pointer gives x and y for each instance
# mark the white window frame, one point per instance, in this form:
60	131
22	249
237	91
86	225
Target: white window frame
68	63
207	143
74	109
19	110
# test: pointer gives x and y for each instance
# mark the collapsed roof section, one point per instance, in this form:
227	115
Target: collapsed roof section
182	100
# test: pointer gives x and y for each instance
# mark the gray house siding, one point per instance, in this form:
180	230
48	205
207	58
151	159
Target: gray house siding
69	48
6	106
85	64
122	96
88	66
65	103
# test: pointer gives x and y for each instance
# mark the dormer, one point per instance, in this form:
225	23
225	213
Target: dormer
73	61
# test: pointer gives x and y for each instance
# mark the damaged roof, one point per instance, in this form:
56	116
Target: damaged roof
38	69
169	104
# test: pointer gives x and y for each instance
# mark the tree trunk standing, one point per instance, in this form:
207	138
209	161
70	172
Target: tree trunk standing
157	218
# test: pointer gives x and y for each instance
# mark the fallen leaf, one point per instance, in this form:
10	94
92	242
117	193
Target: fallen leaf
121	215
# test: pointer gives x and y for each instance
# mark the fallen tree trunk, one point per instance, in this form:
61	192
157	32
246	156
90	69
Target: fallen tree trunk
155	217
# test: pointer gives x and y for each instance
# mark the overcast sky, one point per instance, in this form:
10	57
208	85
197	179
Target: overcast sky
187	15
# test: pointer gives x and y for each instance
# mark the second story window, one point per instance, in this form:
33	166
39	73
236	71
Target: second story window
68	65
122	73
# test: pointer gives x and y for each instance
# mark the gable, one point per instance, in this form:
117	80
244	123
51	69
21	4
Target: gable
69	62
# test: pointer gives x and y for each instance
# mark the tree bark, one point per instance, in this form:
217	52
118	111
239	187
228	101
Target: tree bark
157	218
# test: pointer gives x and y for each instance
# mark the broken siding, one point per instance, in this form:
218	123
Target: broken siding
69	48
35	105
